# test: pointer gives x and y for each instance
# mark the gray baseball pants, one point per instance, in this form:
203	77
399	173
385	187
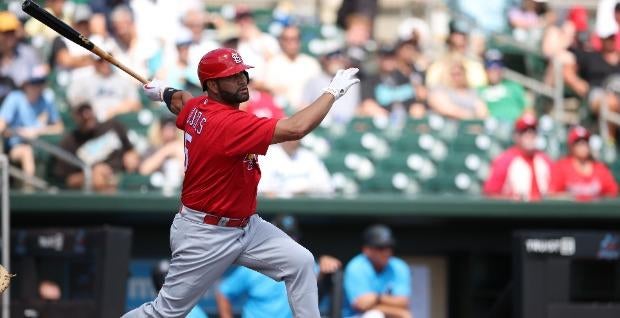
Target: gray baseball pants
201	253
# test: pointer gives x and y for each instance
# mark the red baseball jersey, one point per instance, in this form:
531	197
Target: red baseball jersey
221	162
566	179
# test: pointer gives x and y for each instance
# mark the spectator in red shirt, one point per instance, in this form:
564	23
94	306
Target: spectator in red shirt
579	175
521	172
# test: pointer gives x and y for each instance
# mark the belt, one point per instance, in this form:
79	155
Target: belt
216	219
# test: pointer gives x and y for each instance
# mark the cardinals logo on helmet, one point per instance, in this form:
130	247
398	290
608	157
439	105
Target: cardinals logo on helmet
236	57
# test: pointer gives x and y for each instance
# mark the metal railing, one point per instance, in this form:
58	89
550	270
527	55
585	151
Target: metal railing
605	117
4	167
65	156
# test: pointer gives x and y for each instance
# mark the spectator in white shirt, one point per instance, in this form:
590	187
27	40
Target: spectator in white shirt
108	91
288	72
291	170
127	47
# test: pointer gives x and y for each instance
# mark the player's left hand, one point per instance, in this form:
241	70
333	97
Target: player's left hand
342	81
329	264
154	90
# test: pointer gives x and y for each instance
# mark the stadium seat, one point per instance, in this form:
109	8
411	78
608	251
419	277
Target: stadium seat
335	162
135	182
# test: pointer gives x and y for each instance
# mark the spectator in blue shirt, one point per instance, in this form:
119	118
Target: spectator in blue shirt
158	275
263	297
26	114
377	284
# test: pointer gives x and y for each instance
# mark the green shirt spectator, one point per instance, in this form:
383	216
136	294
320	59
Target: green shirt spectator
505	99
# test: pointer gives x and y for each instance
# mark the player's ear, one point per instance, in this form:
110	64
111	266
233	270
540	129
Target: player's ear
211	86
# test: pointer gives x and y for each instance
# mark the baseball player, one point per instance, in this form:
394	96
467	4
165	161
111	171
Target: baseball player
217	224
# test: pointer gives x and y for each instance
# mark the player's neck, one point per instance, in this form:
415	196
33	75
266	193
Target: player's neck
221	101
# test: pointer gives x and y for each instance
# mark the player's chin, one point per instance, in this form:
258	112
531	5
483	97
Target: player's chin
243	96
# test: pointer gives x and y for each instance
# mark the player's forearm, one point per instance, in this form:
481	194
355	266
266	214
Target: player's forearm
179	99
394	301
304	121
152	163
53	129
393	312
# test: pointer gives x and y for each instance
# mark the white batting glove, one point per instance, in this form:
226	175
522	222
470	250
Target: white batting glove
154	90
342	81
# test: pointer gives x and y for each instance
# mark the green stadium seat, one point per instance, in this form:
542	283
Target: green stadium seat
137	121
458	183
472	143
361	125
335	162
381	183
67	120
416	126
135	182
397	161
471	127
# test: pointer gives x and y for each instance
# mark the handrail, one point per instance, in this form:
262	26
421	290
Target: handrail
605	117
4	167
66	157
32	180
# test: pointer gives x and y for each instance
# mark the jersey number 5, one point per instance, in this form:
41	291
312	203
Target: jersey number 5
188	139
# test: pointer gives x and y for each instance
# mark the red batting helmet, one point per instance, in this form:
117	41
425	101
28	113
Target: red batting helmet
219	63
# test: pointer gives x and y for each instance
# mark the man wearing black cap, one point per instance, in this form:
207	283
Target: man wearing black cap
377	284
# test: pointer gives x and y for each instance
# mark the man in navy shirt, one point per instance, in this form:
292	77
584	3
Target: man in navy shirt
377	284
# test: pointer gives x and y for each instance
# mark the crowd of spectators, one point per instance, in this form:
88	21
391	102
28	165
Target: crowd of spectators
46	80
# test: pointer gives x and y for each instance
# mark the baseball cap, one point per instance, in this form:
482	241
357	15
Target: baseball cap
527	121
578	133
378	235
184	37
8	21
458	26
82	13
493	59
288	224
38	75
578	15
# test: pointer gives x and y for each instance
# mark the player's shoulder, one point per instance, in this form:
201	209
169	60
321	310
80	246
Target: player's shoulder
358	263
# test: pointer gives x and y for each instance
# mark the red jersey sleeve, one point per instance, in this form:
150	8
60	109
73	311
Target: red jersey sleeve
558	182
247	134
499	169
609	184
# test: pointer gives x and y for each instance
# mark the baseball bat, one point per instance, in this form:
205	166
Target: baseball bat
68	32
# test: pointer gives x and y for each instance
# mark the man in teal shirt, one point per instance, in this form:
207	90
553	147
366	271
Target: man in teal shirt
377	284
505	99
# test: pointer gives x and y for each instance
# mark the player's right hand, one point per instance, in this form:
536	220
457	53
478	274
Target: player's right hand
342	81
154	90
